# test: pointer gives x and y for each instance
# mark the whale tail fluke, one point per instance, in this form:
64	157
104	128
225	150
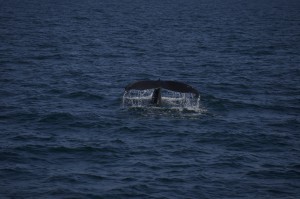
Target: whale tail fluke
169	85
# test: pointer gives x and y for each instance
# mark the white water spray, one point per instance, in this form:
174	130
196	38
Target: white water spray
170	100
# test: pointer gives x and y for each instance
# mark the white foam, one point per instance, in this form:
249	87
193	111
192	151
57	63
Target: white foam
170	100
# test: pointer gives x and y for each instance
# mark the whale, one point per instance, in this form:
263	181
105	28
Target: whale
158	85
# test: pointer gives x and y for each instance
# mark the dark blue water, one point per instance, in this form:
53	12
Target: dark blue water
63	69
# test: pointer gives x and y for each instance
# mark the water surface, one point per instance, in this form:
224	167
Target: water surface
65	134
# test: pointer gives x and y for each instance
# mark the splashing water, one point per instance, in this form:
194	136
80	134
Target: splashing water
170	100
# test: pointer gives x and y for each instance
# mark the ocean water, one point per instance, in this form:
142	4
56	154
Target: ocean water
65	132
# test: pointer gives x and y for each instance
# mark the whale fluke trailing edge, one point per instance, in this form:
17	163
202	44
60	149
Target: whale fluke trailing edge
158	85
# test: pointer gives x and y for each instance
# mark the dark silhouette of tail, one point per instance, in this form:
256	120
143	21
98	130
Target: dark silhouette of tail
156	97
169	85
